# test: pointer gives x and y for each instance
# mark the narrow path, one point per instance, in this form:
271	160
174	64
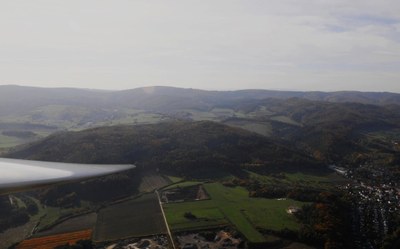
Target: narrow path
165	220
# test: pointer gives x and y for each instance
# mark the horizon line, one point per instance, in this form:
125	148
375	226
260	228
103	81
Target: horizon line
199	89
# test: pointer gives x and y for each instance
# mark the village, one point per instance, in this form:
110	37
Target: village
375	195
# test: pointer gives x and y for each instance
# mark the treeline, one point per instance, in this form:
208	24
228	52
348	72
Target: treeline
12	216
392	240
30	204
325	224
95	190
257	189
299	194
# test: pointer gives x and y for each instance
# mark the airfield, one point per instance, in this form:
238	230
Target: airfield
158	218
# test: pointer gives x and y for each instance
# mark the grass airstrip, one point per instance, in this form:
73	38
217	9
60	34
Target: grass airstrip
233	206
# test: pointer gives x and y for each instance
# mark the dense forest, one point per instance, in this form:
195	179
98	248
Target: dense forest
181	148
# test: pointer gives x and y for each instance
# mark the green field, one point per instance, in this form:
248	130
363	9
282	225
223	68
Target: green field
175	179
200	115
6	141
264	129
261	111
183	184
233	205
327	180
52	215
207	213
286	120
246	213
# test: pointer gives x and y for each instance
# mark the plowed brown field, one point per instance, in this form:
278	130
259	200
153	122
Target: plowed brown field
49	242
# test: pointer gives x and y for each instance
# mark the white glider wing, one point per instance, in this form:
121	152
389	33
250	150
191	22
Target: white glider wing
21	175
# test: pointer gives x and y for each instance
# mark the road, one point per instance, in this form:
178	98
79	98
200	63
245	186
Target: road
165	220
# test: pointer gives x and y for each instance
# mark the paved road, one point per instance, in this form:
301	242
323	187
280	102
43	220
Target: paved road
165	220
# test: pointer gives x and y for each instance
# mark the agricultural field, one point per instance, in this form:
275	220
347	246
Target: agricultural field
53	214
152	182
175	179
47	217
137	117
191	193
233	206
216	114
14	132
7	141
138	217
148	118
232	202
207	214
50	242
261	111
327	180
201	115
262	128
183	185
286	120
79	223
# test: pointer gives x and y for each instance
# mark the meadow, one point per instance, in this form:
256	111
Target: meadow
207	215
233	206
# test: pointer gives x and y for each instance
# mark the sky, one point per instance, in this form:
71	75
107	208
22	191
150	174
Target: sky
325	45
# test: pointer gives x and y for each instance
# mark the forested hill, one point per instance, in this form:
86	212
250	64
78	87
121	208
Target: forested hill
334	128
184	148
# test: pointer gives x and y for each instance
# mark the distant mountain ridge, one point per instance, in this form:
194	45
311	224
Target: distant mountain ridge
329	125
159	98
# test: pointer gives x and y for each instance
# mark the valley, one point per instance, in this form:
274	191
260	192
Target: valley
256	168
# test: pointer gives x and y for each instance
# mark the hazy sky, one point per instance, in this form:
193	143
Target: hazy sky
216	44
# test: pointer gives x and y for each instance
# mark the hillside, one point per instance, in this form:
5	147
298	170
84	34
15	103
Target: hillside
337	127
29	113
182	148
271	147
330	131
21	100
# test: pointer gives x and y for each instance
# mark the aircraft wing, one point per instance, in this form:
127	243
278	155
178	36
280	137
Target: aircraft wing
21	175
